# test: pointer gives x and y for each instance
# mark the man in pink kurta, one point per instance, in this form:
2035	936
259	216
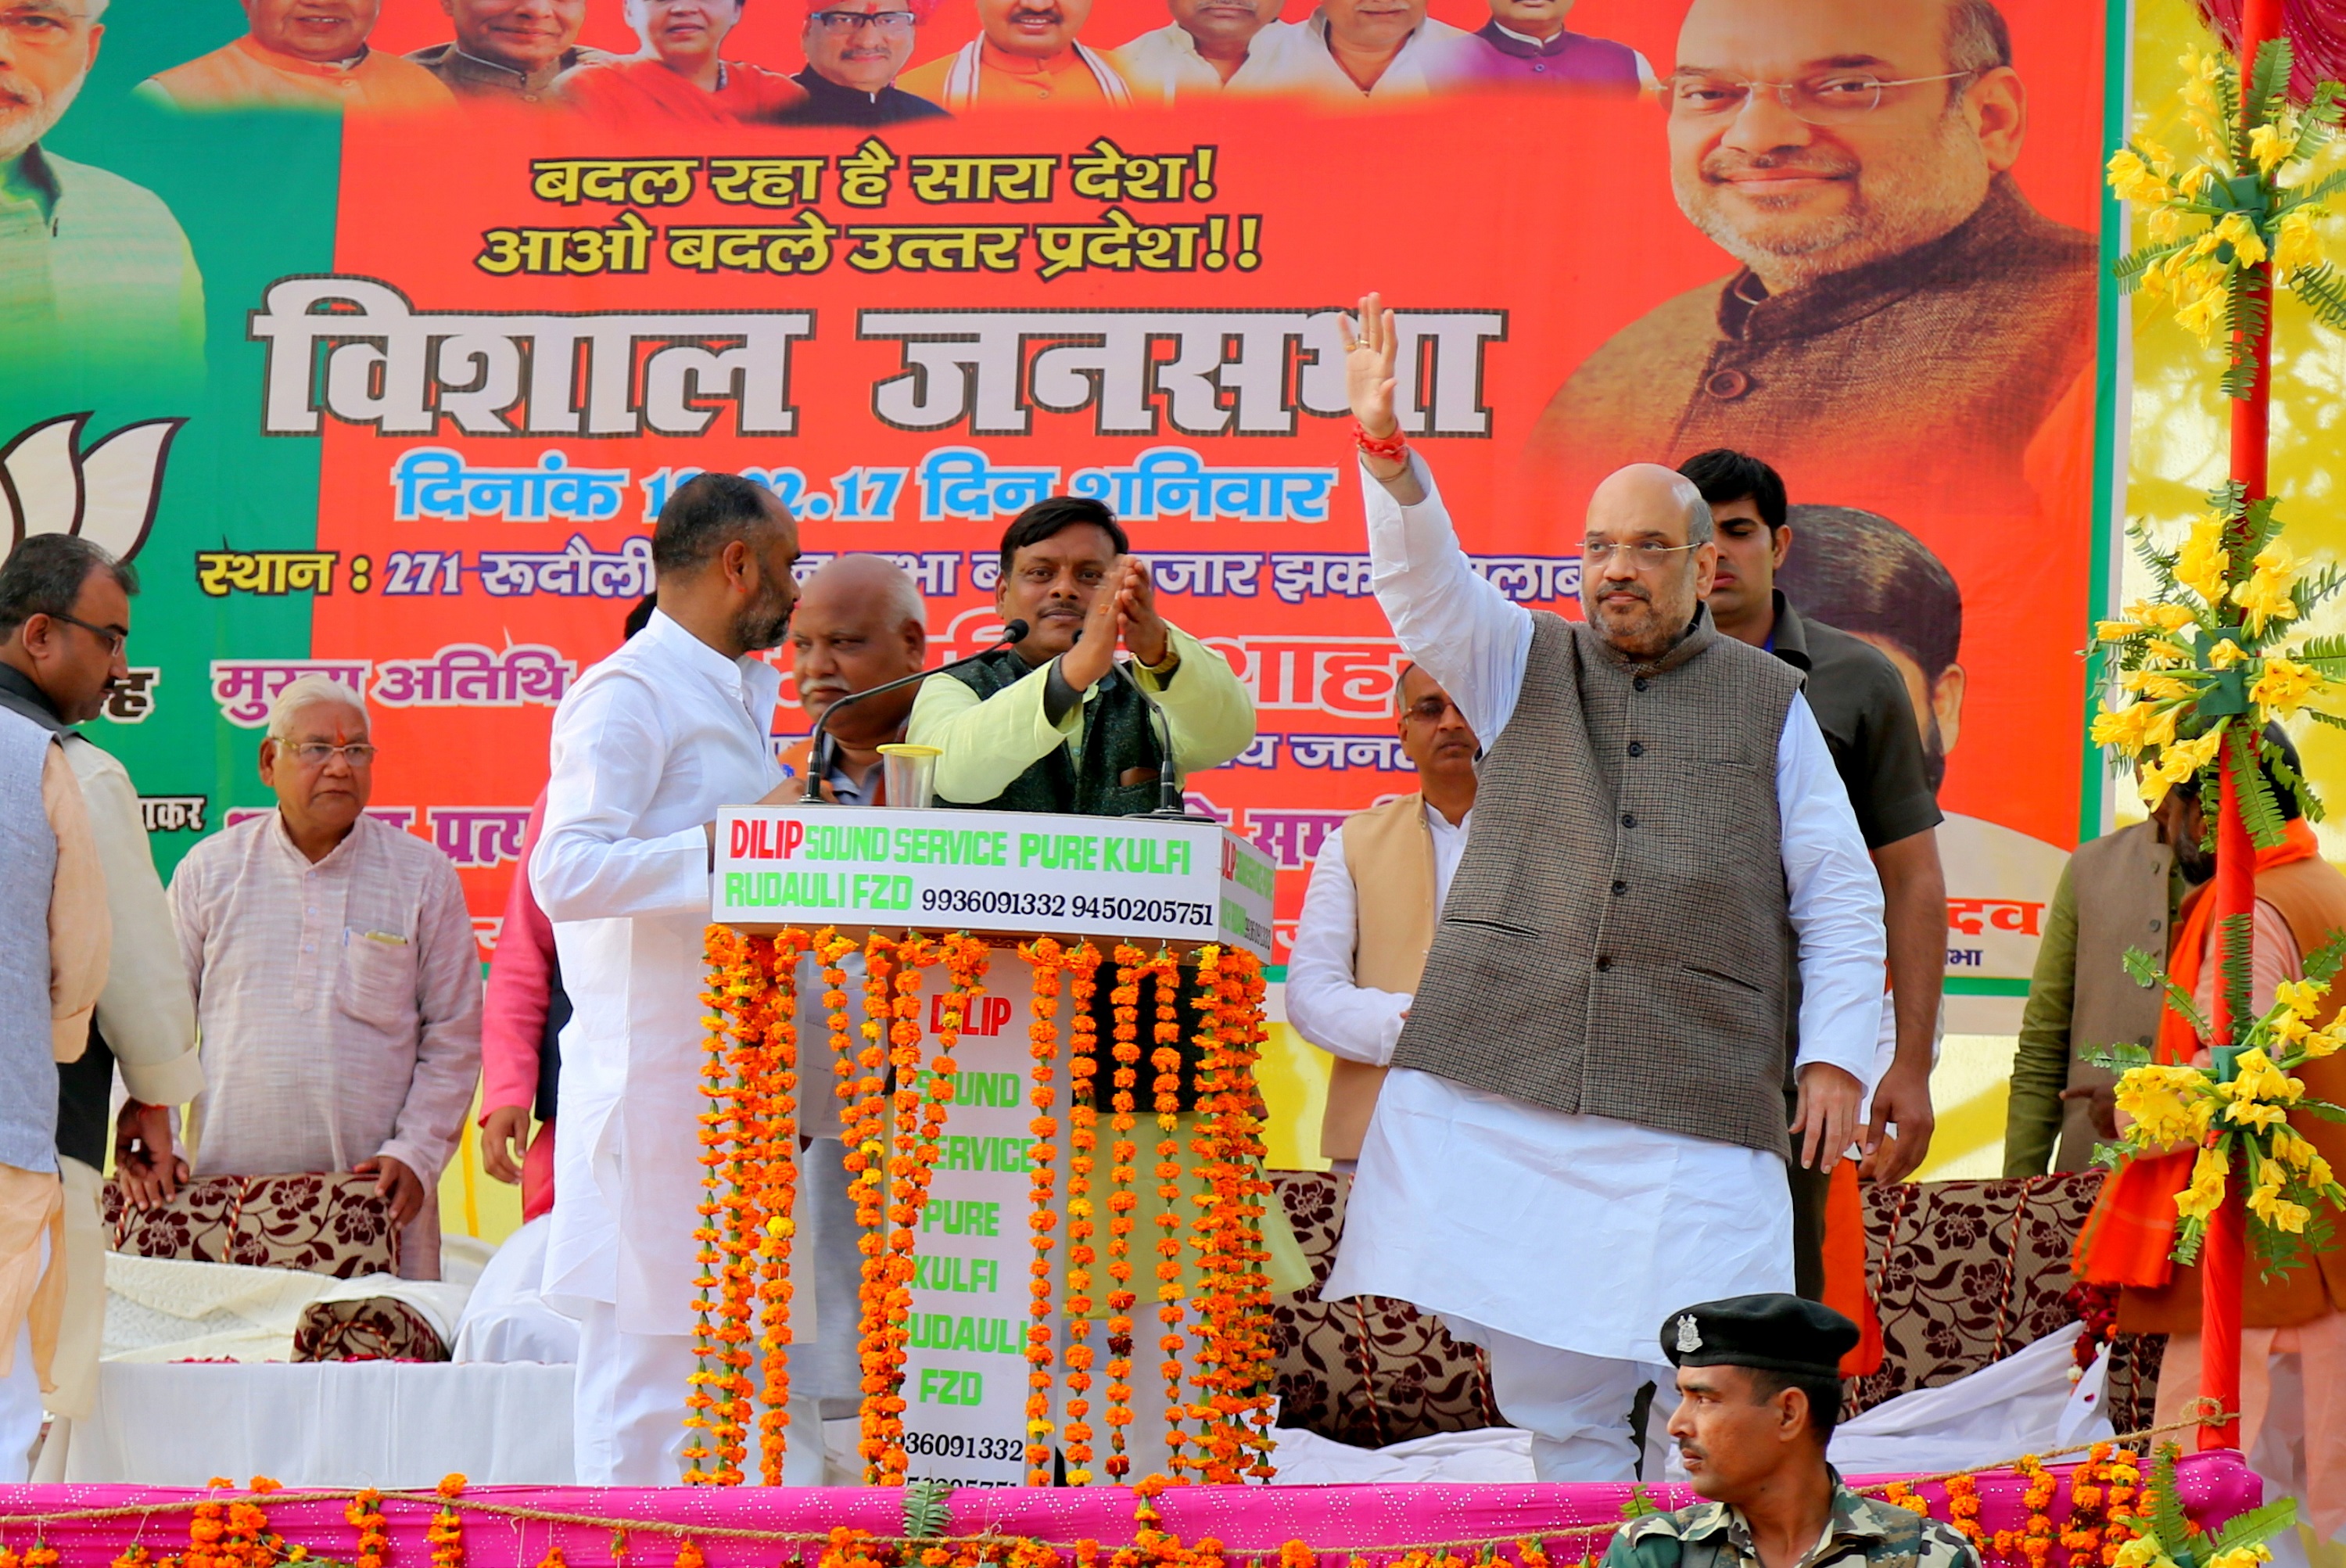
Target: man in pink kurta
522	1012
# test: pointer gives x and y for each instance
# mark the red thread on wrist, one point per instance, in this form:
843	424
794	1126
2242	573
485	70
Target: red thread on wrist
1389	447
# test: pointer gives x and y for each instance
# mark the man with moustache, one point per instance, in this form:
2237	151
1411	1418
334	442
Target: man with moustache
1053	723
301	54
1596	1047
1758	1395
1206	49
648	746
860	622
1026	55
1356	960
854	49
1368	51
1900	312
95	272
680	75
510	49
1860	703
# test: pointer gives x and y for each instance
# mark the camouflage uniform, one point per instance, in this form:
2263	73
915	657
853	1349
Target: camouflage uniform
1862	1530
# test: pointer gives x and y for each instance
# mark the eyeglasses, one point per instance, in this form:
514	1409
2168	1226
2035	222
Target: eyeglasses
1597	552
1430	710
106	635
1832	97
316	753
838	23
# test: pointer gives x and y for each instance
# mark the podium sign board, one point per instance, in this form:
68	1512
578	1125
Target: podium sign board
1006	875
1143	879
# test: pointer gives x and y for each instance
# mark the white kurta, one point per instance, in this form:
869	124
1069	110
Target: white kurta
646	748
1585	1232
1324	1003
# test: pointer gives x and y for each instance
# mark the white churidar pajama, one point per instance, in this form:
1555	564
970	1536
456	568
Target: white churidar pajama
1535	1231
646	748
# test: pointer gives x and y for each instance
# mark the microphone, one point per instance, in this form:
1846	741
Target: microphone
1170	804
818	754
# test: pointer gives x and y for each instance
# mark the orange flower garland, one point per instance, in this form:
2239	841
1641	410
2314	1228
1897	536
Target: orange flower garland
708	1403
1167	1089
867	1155
1082	1144
1123	1202
1044	957
769	1171
447	1531
1233	1327
1963	1512
365	1513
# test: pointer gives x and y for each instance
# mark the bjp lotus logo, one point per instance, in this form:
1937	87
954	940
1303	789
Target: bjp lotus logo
106	493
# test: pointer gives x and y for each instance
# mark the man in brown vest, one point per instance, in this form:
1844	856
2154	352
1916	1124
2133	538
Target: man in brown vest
1584	1126
1356	960
2121	891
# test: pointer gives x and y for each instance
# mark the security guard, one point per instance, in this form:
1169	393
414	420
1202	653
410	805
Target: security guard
1758	1391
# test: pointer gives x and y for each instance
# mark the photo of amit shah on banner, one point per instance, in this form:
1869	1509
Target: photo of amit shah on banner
1901	311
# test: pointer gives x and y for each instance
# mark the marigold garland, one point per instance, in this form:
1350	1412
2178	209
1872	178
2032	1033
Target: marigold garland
867	1160
1045	958
447	1531
365	1513
1083	1152
1963	1512
1165	1086
1124	1200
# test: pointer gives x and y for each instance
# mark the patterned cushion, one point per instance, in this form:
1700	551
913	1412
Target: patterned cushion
1966	1272
1368	1371
1963	1273
328	1224
371	1328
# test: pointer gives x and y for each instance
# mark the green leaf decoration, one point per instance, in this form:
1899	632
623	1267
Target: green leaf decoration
2256	1524
2323	291
927	1514
2233	970
2269	80
1637	1504
2168	1520
2325	960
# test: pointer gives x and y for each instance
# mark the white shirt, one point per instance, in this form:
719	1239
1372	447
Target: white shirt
646	748
1669	1218
1296	60
1164	64
1324	1003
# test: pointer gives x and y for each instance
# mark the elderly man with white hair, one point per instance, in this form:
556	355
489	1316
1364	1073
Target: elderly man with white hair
338	988
96	268
1584	1126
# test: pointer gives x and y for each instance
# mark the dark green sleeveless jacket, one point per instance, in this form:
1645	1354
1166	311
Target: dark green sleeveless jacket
1118	736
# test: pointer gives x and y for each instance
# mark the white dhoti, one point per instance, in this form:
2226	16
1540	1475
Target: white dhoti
1562	1243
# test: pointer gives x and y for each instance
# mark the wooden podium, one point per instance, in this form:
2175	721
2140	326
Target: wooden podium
1175	890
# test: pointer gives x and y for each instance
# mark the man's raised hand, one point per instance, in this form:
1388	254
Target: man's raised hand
1096	649
1137	622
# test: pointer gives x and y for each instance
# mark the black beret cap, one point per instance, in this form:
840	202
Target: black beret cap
1773	1333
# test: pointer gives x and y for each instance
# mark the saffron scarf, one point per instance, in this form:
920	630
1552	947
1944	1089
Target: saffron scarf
2130	1234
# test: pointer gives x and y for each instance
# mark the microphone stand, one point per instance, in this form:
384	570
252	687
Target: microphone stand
824	747
1171	805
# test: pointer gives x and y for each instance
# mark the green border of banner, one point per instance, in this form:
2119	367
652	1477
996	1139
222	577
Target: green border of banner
2110	443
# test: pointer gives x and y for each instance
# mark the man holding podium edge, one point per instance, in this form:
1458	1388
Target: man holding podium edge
1595	1048
1052	723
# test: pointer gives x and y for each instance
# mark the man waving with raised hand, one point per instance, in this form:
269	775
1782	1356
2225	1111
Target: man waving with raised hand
1596	1050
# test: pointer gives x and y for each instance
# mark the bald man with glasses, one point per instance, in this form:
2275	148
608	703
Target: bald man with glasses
854	49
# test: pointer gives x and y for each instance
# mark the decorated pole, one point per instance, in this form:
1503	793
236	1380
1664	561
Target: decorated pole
2222	1278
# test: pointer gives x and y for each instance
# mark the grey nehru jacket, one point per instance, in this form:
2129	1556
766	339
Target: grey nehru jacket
1618	939
28	868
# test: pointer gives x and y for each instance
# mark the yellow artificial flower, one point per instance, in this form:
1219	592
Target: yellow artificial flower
2264	595
2131	180
2290	1149
2270	147
2154	780
2268	1204
2226	654
2165	224
2325	1042
2238	230
2155	684
2285	685
2205	1192
2137	726
2256	1078
2301	997
2173	653
2297	245
2201	314
2117	631
2165	617
2202	562
2242	1557
2288	1029
2199	751
2156	1098
2142	1551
